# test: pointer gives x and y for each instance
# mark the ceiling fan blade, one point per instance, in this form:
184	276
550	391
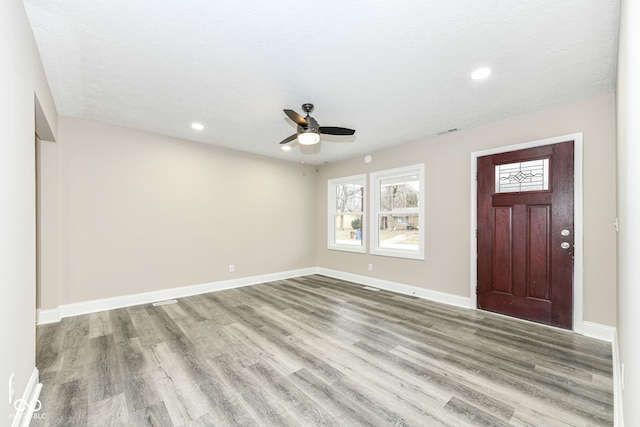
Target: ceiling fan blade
289	139
296	117
332	130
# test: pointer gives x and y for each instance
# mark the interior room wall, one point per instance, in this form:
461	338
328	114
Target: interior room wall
447	195
21	76
628	105
48	221
141	212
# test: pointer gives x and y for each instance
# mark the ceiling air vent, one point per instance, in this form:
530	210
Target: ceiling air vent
444	132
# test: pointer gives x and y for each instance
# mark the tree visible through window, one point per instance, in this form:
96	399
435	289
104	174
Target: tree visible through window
346	213
397	211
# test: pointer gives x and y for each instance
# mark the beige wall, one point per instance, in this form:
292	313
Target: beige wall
446	267
21	76
48	222
141	212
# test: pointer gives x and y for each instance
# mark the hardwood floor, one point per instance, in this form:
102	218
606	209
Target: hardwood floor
317	351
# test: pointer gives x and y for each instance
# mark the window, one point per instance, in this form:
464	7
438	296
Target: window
346	213
532	175
397	212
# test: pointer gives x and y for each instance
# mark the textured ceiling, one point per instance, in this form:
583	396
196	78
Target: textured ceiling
396	71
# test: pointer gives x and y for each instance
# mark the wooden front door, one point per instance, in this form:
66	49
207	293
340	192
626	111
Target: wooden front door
525	234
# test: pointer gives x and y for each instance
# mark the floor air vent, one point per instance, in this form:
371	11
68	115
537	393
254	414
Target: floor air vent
167	302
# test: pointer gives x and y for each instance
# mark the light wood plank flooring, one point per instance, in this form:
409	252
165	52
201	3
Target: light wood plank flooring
317	351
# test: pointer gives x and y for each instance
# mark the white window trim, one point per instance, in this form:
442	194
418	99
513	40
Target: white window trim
375	179
331	212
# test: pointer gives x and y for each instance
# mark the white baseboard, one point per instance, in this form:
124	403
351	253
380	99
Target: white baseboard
598	331
50	315
450	299
589	329
29	403
75	309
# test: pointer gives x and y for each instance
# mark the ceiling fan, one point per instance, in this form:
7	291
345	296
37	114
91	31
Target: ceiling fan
308	129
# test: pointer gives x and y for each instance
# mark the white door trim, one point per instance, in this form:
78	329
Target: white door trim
578	226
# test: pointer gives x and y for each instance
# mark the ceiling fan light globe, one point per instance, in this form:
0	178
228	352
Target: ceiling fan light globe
308	138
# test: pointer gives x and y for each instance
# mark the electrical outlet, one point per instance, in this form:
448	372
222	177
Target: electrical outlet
232	268
370	267
11	388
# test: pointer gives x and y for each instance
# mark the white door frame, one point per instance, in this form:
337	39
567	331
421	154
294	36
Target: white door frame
578	228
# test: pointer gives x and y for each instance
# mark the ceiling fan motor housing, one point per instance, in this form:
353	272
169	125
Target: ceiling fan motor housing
312	127
307	108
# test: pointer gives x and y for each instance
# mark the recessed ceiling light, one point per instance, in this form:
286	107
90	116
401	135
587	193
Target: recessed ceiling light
197	126
481	73
286	147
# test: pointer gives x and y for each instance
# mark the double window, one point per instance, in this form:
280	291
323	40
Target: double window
396	218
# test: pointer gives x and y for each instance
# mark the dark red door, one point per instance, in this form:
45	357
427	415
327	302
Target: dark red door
525	234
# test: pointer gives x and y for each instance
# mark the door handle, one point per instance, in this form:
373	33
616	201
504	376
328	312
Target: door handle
565	245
